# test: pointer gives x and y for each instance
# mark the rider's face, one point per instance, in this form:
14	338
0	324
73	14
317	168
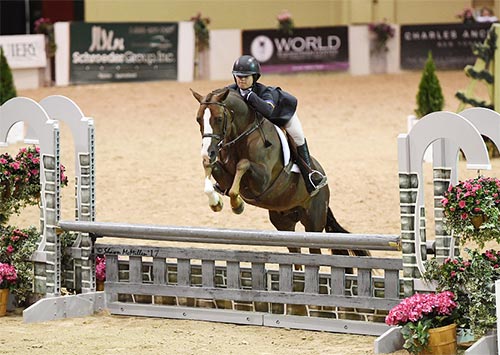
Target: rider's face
244	82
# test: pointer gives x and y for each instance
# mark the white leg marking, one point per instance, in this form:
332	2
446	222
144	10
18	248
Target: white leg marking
213	197
207	129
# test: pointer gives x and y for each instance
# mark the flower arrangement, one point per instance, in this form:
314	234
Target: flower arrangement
100	268
285	22
201	32
471	280
382	33
8	276
45	26
467	15
16	248
20	181
419	313
471	210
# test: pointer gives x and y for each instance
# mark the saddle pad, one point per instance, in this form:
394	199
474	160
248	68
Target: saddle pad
286	150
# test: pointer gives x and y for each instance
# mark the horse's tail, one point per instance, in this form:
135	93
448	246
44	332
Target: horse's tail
332	226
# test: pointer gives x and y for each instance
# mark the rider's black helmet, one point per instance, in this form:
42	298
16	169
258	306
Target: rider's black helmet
247	65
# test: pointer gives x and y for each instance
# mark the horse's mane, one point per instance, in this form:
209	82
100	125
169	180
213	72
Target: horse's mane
232	99
232	92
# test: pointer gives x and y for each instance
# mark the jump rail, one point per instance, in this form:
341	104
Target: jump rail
235	236
336	293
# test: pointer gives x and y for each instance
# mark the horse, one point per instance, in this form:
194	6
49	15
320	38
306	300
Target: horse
243	152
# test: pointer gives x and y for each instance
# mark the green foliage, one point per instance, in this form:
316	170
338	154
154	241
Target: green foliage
416	336
471	210
471	280
201	31
484	52
430	96
7	87
16	248
20	187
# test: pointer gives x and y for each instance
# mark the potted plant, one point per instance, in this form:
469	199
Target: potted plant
471	280
16	248
471	210
20	187
8	278
285	22
422	318
382	32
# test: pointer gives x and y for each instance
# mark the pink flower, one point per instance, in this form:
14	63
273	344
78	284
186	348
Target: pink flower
8	275
10	249
461	204
418	306
100	268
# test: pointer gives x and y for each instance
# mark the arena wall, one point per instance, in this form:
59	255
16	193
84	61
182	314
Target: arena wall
259	14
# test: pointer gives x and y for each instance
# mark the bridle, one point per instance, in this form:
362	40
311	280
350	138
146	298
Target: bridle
222	140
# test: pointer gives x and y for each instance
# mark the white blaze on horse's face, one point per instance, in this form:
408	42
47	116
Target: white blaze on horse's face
207	129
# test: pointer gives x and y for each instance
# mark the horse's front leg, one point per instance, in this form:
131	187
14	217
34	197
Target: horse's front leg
214	199
237	203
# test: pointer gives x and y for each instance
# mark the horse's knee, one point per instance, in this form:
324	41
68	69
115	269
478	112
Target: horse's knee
243	165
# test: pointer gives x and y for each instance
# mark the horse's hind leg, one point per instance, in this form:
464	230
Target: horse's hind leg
286	222
314	219
237	204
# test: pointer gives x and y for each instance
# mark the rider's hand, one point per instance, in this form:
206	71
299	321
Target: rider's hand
245	93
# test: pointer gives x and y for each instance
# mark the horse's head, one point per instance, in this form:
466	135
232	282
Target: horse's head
215	117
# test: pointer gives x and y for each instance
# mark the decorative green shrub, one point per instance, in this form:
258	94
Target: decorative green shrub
430	96
7	88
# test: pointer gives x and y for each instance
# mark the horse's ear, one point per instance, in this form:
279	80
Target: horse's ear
197	96
222	95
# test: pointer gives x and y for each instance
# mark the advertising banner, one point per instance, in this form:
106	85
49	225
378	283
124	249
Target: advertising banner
306	49
24	51
450	44
114	52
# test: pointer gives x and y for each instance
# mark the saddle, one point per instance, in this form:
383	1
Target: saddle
289	149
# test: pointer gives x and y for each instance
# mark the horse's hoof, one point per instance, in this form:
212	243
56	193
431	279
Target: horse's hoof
239	209
217	207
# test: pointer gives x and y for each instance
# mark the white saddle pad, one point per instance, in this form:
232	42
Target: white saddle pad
286	150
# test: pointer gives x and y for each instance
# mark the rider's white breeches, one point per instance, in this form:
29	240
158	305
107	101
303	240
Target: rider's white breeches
294	129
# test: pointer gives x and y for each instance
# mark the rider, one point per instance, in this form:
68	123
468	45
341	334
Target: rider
279	107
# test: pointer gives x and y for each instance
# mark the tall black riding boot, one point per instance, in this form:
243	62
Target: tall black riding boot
314	179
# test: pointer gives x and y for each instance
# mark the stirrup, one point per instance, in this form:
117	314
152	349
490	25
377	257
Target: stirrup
319	185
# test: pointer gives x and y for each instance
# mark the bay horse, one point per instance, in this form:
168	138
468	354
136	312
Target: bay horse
242	151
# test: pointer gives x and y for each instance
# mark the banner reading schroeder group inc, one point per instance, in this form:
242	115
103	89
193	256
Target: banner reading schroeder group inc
307	49
107	52
450	44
